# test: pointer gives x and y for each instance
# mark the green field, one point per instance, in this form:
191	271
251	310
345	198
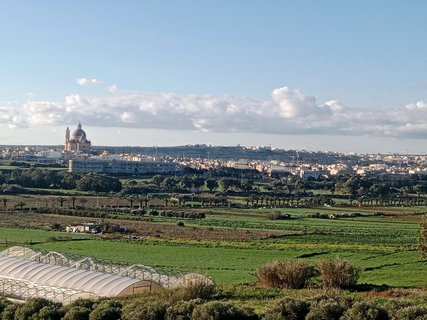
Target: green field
384	247
10	236
236	265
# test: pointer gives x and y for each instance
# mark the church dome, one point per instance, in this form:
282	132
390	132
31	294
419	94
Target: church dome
79	133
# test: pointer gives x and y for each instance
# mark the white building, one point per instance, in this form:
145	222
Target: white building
121	166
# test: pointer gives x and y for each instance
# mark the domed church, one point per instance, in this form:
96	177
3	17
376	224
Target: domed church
79	142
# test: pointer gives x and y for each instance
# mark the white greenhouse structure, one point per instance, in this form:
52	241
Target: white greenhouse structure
26	273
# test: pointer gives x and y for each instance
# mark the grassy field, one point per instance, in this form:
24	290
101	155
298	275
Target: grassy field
29	236
384	247
234	265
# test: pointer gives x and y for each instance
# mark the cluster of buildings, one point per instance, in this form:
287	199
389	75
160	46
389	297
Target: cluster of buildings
277	169
77	154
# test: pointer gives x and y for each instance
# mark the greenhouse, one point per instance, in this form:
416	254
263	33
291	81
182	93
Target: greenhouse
26	273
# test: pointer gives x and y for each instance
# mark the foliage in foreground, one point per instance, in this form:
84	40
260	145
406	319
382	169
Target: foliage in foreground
179	304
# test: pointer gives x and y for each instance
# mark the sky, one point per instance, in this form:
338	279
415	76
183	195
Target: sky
347	76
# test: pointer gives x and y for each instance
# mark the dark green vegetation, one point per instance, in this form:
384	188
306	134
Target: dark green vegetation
201	302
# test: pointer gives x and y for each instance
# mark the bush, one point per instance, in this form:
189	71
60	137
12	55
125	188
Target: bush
143	310
336	295
52	312
366	310
328	309
106	310
197	290
182	310
394	305
292	274
180	224
412	313
39	308
77	313
337	273
84	303
9	312
3	304
288	308
216	310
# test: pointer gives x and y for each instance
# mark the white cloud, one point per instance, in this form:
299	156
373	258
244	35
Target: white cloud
113	88
11	117
287	112
87	81
292	103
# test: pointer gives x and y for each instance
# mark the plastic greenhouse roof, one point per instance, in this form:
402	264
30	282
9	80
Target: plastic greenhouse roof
101	284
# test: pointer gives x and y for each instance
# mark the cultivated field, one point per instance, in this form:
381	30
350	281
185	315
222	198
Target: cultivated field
229	244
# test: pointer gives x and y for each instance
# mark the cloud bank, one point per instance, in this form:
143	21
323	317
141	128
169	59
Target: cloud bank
287	112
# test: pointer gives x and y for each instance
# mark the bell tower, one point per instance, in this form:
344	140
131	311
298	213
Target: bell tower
67	137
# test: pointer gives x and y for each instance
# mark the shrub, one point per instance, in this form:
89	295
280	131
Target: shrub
77	313
84	303
199	289
39	308
336	295
337	273
328	309
394	305
52	312
182	310
140	310
288	308
412	313
366	310
9	312
216	310
292	274
3	304
180	224
106	310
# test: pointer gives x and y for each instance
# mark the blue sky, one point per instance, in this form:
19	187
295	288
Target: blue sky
322	75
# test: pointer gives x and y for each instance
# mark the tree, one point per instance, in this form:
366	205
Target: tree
61	201
198	182
4	200
212	184
131	200
246	184
21	205
228	183
170	183
99	183
186	182
73	201
157	180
